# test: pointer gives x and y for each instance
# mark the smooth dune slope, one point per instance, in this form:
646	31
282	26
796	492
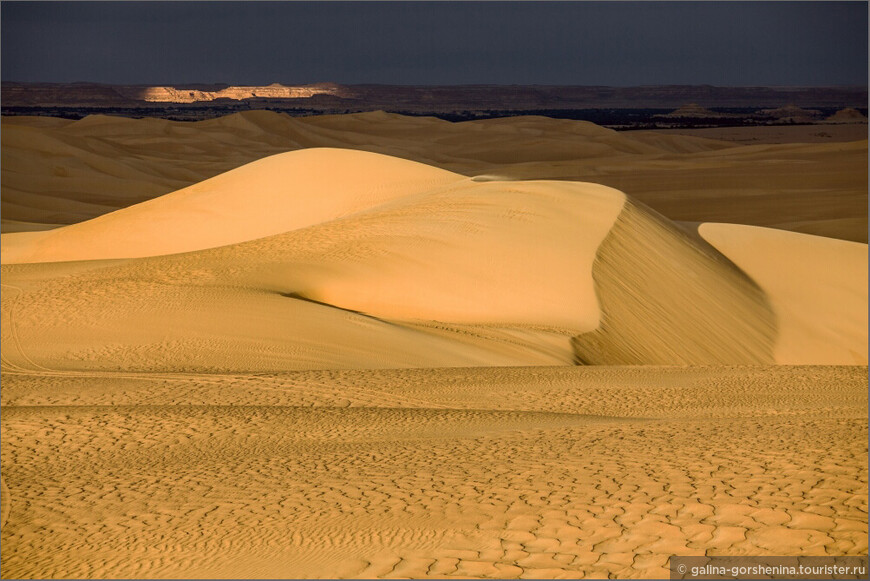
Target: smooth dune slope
465	273
148	324
62	172
817	288
269	196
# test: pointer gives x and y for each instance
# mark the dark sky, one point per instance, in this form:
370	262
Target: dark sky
577	43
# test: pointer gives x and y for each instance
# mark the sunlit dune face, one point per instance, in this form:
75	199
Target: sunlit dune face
569	270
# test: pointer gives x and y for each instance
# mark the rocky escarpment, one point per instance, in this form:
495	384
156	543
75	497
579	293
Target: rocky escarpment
163	94
96	95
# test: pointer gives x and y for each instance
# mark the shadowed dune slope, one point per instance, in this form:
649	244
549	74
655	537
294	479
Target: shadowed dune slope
432	270
667	299
62	172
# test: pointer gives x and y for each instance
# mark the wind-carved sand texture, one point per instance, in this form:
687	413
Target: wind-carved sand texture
336	363
666	299
499	472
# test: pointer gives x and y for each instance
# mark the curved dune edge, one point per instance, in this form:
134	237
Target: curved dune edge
816	286
474	253
667	299
269	196
427	269
406	242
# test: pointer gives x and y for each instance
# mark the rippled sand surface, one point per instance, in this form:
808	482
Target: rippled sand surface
499	472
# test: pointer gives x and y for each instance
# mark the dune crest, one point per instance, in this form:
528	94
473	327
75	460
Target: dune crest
57	171
454	273
265	197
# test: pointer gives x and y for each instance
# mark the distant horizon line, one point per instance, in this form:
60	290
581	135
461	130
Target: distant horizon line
175	84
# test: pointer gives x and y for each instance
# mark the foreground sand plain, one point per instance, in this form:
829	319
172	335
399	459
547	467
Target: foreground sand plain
299	367
501	472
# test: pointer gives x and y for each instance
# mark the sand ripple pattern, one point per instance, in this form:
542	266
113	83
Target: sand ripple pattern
498	472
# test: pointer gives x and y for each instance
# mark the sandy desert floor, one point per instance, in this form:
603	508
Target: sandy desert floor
422	349
500	472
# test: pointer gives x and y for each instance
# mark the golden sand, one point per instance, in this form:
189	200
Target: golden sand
533	472
58	171
328	362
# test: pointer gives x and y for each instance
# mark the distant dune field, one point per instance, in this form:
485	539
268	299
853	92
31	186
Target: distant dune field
380	346
57	171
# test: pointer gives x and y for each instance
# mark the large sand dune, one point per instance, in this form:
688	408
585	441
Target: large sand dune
269	196
293	261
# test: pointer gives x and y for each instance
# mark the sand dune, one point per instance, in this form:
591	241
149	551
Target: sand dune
816	286
437	277
269	196
668	300
62	172
308	253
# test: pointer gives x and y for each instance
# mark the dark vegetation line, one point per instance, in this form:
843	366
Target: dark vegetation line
620	119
